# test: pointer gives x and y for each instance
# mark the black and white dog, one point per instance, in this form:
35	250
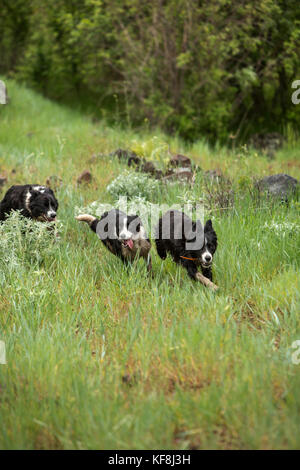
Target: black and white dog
123	235
188	243
33	200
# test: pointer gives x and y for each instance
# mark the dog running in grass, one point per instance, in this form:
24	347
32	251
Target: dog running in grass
33	200
123	235
187	242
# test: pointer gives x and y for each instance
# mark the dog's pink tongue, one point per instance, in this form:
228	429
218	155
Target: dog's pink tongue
129	243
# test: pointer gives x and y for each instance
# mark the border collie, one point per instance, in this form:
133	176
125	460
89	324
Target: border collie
33	200
123	235
187	242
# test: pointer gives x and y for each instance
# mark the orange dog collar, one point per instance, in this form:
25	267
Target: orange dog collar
191	259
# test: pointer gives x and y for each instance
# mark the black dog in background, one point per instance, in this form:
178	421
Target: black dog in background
122	234
176	234
33	200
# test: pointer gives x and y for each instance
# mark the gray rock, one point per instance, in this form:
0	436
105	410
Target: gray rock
180	161
179	174
127	155
280	185
148	167
85	177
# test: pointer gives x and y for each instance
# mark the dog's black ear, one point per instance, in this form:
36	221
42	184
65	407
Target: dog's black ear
208	226
102	220
133	223
209	230
33	192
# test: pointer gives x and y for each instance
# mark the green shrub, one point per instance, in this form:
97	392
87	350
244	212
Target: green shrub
195	68
24	242
133	184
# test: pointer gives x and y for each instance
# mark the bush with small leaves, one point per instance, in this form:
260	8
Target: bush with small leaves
132	184
24	242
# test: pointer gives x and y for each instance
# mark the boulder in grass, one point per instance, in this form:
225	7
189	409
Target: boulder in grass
179	174
85	177
128	156
148	167
280	185
180	161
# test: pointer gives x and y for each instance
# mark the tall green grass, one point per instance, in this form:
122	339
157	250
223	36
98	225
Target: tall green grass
100	355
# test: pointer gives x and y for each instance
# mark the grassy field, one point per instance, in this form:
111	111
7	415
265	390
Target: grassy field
103	357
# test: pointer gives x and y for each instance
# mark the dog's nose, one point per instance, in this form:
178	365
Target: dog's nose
52	215
207	258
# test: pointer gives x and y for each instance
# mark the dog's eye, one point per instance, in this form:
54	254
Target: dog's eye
46	204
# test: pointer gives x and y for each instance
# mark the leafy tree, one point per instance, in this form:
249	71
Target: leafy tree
210	67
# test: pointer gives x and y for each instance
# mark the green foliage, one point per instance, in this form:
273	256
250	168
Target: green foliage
210	68
153	148
133	184
23	241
